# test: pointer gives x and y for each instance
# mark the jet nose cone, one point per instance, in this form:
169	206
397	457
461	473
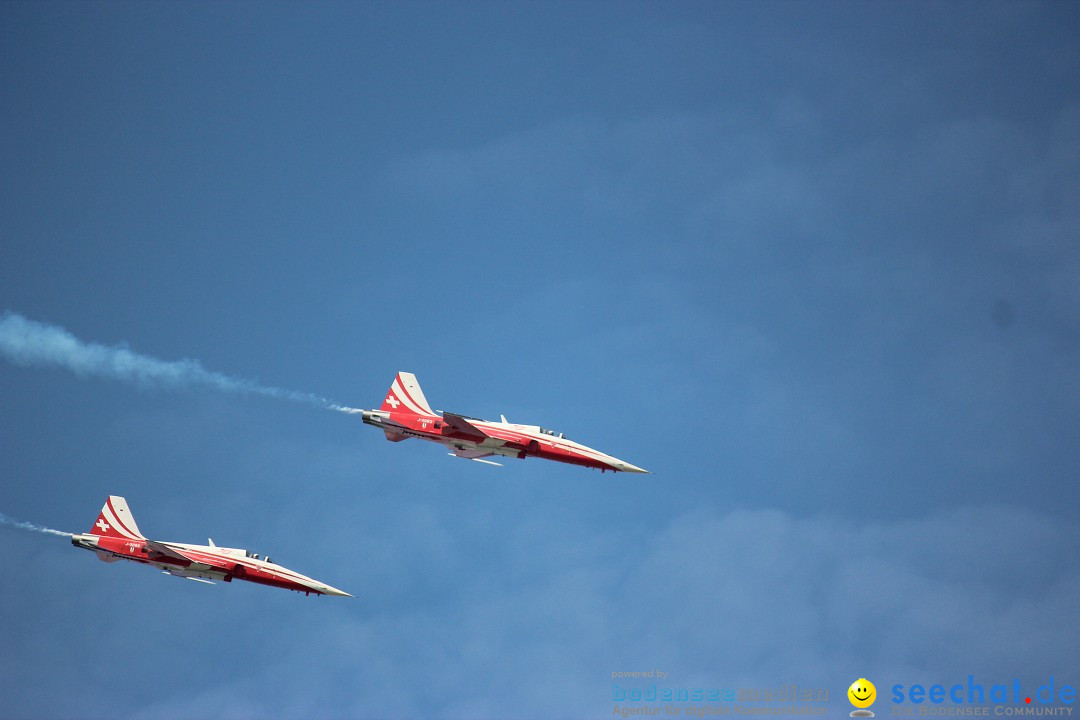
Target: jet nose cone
327	590
627	467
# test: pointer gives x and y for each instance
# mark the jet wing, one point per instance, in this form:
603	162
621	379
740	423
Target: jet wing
476	455
470	454
463	426
160	552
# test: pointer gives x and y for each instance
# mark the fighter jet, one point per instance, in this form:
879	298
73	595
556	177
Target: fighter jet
115	536
405	413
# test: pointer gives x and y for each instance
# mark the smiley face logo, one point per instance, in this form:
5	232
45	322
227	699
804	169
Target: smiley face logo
862	693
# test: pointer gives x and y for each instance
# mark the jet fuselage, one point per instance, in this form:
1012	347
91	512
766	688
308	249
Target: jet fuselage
406	414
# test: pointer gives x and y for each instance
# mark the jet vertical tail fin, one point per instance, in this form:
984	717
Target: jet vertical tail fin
406	396
115	521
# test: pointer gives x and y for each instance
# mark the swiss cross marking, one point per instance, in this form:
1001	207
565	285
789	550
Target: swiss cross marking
392	401
103	525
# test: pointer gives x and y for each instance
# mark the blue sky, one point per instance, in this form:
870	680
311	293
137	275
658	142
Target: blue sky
813	264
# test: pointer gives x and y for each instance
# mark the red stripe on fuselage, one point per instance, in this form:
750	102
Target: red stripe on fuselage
219	563
556	449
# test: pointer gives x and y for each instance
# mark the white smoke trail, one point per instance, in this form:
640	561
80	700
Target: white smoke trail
5	520
344	409
26	342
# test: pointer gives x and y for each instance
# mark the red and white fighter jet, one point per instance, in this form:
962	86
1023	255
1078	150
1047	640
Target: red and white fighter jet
405	413
115	536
